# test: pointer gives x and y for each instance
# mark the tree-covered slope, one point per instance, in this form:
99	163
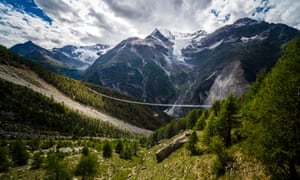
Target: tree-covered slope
272	116
24	111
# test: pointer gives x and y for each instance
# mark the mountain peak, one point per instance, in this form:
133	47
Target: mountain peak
245	21
160	34
30	43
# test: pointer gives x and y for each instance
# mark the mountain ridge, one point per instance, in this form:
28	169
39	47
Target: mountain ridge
188	76
68	60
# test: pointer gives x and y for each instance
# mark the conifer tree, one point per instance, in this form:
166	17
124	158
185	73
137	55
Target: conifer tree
273	118
107	150
226	119
192	143
119	147
87	166
18	152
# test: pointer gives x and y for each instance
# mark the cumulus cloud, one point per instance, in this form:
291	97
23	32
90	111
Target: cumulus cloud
110	21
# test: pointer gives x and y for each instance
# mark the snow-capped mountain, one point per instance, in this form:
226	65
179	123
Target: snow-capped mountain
69	60
191	68
177	40
86	54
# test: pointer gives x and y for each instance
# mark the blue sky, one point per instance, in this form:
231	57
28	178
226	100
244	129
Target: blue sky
28	6
54	23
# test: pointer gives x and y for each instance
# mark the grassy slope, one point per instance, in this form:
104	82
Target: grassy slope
179	165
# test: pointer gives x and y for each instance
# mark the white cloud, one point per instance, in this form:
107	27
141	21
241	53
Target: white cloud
110	21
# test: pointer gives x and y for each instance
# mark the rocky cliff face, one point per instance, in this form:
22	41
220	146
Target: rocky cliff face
191	68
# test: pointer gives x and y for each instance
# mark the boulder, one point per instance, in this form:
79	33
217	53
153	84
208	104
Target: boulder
173	146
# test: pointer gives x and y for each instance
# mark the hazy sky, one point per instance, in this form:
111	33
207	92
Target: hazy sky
55	23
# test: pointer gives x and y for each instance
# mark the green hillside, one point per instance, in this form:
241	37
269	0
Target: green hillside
25	111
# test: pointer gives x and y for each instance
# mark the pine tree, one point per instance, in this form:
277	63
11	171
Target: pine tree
18	152
201	122
119	147
273	118
192	117
192	143
226	119
127	152
87	166
210	128
56	169
107	150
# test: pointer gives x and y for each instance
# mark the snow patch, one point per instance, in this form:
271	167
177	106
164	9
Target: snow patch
246	39
215	45
142	42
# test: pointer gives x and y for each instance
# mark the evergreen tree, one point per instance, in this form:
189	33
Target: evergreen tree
210	128
18	152
201	122
87	166
107	150
37	160
273	118
119	147
226	119
192	117
56	169
217	146
192	143
127	152
85	151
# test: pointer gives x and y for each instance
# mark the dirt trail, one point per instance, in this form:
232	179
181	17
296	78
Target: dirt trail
28	78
